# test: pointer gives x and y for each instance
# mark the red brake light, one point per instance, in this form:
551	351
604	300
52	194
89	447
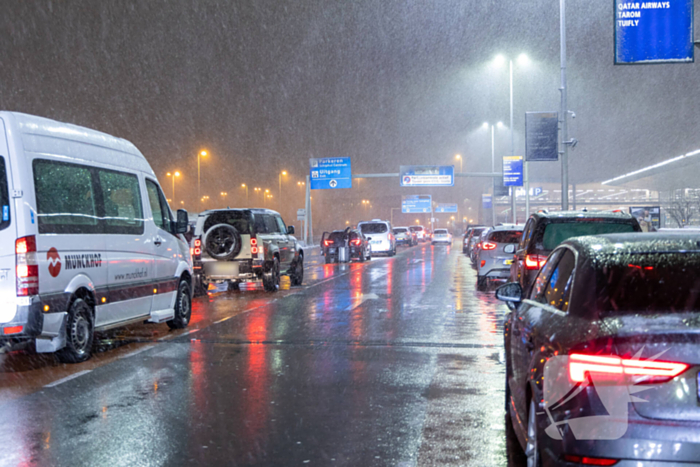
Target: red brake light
488	246
535	261
25	245
197	243
12	330
478	245
254	250
253	246
254	242
197	251
355	241
327	242
613	368
589	460
27	269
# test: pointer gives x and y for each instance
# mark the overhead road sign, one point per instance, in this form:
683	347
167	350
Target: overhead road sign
541	136
330	173
427	175
499	189
513	171
446	207
416	204
653	32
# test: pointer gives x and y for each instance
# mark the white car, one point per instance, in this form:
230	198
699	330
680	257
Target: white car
382	238
87	239
441	236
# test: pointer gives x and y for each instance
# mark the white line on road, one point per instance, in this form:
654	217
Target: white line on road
67	378
363	298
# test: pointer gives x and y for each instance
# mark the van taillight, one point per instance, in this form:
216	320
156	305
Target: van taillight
27	269
197	250
253	246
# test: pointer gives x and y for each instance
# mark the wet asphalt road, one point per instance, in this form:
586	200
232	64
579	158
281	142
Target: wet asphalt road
396	362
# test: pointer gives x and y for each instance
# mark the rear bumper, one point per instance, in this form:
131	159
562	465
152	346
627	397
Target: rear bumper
231	271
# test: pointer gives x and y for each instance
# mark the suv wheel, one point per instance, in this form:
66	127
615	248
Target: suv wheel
297	276
79	333
222	242
271	277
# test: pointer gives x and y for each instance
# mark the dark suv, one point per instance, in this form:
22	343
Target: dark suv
544	231
245	245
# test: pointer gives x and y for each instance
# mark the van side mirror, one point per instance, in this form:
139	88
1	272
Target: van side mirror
510	292
290	230
509	248
182	222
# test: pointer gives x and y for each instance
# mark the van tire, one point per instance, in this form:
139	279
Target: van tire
222	242
79	333
183	307
271	277
297	275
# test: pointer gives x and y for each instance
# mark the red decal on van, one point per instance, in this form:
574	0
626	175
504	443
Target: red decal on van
54	260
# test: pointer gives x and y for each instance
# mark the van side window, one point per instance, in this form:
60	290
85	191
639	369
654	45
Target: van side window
159	216
65	198
4	197
122	201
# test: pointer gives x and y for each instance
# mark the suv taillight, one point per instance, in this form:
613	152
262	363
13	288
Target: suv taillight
355	241
535	261
27	269
197	249
253	246
327	242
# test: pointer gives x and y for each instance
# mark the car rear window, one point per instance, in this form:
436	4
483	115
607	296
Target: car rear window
239	219
416	228
506	236
337	236
373	228
556	233
396	231
440	232
4	196
650	284
477	232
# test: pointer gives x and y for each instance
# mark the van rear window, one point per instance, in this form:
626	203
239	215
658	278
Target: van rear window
4	196
373	228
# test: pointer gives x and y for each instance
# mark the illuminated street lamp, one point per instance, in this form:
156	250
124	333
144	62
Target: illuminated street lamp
173	175
199	178
486	125
284	172
243	185
459	158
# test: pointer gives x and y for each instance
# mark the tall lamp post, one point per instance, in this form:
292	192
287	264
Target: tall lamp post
493	167
173	175
459	158
199	177
284	172
243	185
257	189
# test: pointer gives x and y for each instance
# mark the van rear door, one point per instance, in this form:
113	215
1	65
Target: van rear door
8	235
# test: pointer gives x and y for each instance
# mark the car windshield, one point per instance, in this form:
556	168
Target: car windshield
650	284
373	228
506	236
239	219
557	232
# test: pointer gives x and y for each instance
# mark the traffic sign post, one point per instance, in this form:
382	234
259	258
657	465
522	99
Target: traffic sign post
330	173
416	204
427	175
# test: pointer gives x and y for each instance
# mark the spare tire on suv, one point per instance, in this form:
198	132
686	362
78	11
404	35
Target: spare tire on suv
222	242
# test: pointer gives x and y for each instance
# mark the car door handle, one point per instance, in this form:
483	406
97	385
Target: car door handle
157	241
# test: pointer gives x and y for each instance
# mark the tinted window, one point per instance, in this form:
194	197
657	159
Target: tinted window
337	236
260	226
239	219
122	202
476	233
649	284
559	284
527	234
556	233
440	232
543	277
65	198
373	228
505	236
416	228
4	196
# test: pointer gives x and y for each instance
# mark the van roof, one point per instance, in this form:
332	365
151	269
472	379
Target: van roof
41	135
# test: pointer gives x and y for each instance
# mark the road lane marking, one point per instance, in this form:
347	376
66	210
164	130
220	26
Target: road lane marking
363	298
67	378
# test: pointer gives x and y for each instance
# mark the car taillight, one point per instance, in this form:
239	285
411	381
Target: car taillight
356	242
197	250
535	261
488	246
27	269
589	460
253	246
391	236
327	242
611	368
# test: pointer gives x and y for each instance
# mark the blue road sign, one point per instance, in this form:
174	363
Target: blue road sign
486	201
446	207
427	175
513	171
330	173
416	204
536	191
653	32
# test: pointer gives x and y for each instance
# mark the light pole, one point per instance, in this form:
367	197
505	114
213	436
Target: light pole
173	175
493	167
243	185
266	194
199	178
284	172
459	158
257	189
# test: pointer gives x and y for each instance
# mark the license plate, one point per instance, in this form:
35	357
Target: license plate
376	242
507	262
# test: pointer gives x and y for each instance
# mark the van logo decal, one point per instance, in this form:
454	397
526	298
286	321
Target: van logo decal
84	261
54	260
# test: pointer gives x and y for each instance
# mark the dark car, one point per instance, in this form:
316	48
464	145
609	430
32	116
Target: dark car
602	356
545	230
357	244
467	236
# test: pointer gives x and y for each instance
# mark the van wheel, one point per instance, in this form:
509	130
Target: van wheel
297	276
271	277
183	307
79	333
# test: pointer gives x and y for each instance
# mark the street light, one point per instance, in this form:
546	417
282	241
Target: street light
486	125
459	158
199	178
284	172
243	185
173	175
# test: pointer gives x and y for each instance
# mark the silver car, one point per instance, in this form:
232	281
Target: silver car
382	237
495	254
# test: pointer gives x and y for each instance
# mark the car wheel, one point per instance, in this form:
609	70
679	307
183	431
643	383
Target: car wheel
183	307
79	333
271	277
532	451
297	276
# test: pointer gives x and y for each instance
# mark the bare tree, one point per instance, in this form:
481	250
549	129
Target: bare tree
683	206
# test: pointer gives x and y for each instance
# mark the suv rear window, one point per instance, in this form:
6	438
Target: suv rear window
417	228
239	219
4	196
373	228
506	236
556	233
337	237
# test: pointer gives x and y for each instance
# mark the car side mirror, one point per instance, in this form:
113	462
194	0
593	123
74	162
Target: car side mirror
181	224
290	230
509	248
510	292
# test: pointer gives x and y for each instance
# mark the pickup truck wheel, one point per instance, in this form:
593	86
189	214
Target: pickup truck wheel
271	277
79	333
297	276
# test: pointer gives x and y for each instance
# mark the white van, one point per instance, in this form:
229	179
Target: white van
87	240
